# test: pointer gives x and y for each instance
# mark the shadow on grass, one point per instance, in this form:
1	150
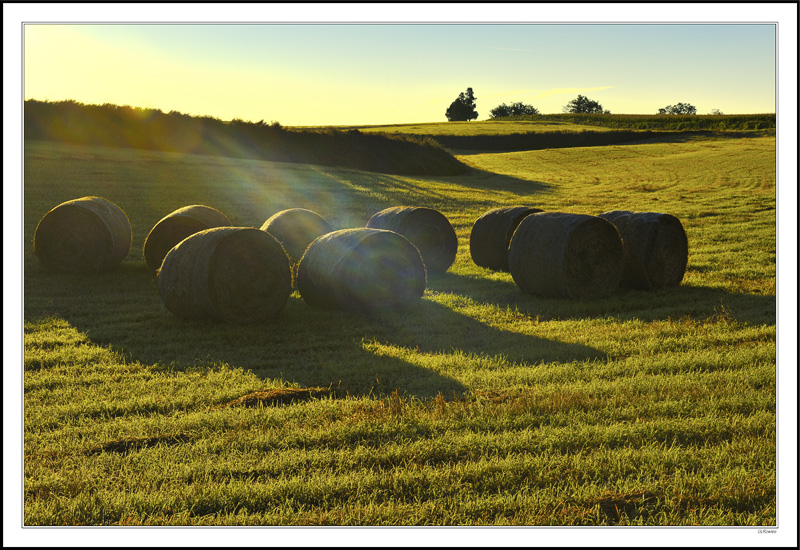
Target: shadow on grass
537	141
353	353
702	135
416	352
355	197
683	301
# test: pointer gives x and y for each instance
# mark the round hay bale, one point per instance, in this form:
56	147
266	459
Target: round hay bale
491	234
360	270
233	274
655	248
295	229
86	235
566	255
175	227
427	229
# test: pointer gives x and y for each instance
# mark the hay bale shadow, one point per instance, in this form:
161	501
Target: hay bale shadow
302	346
311	348
653	305
435	329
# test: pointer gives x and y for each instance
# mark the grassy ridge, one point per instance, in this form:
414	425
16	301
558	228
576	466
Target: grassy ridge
122	126
483	406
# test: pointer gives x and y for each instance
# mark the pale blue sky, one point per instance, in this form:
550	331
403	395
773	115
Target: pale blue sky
339	74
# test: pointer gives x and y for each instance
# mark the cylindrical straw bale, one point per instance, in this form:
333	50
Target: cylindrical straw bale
491	234
175	227
361	269
427	229
566	255
234	274
655	247
295	229
86	235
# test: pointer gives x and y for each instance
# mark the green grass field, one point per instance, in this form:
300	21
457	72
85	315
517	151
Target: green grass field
489	127
481	406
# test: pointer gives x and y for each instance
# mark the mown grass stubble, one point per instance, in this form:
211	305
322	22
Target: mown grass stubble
484	406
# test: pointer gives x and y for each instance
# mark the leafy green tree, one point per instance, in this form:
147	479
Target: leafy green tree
463	108
583	104
679	109
515	109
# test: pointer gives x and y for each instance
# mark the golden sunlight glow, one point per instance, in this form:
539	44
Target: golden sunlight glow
63	63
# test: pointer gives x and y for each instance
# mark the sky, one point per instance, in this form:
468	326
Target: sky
389	73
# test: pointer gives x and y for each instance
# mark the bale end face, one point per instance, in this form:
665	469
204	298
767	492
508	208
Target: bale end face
491	235
593	260
295	229
86	235
656	249
427	229
177	226
361	270
238	275
565	255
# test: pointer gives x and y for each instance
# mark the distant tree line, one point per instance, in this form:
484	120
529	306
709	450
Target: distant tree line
515	109
679	109
579	105
124	126
671	123
463	108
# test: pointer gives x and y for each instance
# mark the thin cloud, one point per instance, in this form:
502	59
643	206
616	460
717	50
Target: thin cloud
534	93
511	50
513	93
564	91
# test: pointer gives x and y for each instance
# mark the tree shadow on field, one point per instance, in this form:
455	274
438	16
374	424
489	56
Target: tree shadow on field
489	183
356	354
683	301
356	196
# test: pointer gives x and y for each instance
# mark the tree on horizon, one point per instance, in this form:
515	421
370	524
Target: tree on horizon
583	104
515	109
679	109
463	108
